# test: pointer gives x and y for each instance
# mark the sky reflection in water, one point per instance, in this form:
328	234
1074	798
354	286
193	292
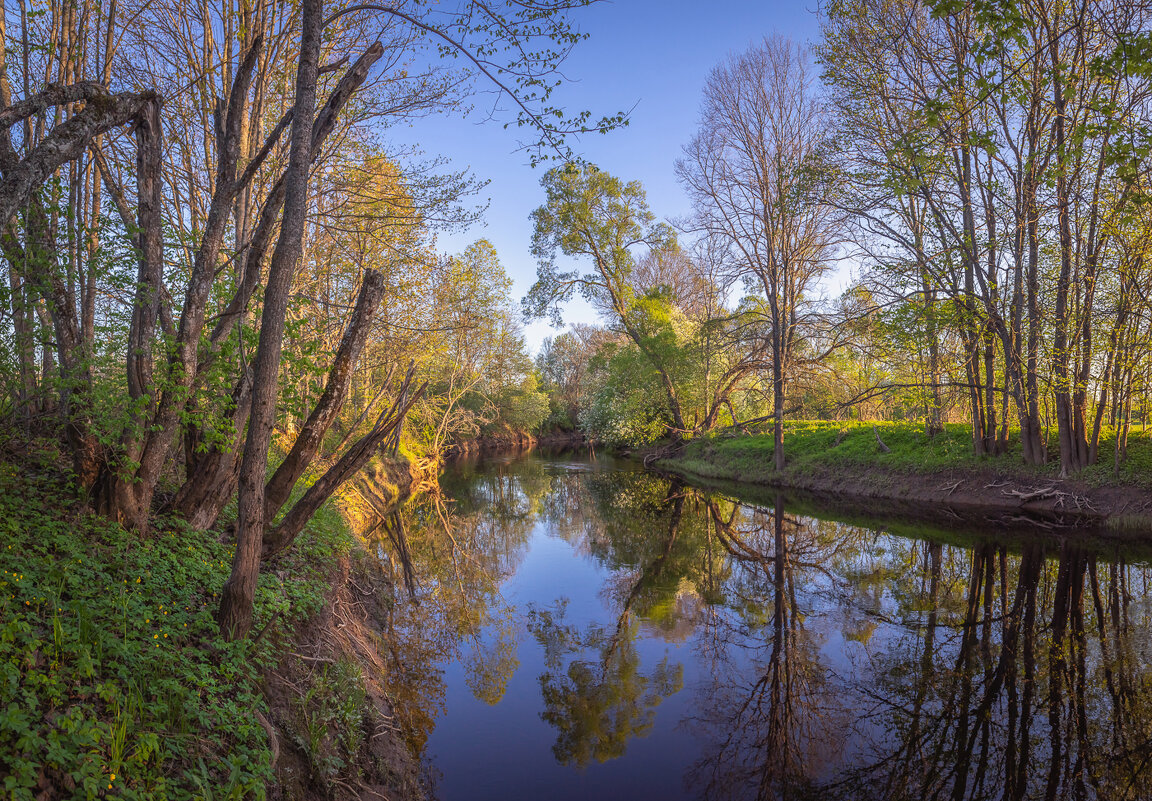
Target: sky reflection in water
595	631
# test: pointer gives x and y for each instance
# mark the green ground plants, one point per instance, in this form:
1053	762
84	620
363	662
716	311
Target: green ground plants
815	447
114	682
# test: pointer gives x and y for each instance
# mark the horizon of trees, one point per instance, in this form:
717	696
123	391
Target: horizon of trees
984	166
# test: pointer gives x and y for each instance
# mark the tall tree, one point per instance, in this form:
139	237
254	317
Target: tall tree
759	176
592	215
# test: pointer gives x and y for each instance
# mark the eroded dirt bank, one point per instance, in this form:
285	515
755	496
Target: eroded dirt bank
949	496
333	725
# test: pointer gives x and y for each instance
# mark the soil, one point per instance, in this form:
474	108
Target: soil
968	497
488	445
312	761
563	439
382	765
513	443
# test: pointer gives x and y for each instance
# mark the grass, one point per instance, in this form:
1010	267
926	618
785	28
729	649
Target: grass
114	682
819	447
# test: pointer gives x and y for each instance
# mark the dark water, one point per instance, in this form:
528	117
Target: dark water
586	630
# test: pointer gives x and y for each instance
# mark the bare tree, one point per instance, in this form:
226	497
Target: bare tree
758	174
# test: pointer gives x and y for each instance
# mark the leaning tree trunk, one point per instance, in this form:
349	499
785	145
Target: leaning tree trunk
331	401
213	480
386	427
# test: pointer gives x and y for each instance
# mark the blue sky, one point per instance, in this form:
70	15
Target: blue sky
651	56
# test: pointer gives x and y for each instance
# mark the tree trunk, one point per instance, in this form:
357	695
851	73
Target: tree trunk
778	411
331	401
132	500
935	415
236	601
1070	434
213	481
66	142
387	425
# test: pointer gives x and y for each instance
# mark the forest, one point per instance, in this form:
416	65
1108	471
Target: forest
981	168
226	299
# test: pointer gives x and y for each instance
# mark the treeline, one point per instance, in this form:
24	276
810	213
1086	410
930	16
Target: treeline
218	263
980	168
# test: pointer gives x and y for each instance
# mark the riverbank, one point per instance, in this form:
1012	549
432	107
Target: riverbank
513	443
118	685
898	464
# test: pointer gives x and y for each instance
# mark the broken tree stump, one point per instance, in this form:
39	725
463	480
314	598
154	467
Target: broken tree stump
880	442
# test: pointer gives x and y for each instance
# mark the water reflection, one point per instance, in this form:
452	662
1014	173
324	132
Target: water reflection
792	657
598	699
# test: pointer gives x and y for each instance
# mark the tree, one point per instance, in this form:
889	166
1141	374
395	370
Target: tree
996	161
589	213
229	224
759	176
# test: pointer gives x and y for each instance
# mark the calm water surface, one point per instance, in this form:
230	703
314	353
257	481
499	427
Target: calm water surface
582	629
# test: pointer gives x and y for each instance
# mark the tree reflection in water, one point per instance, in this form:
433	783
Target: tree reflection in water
446	555
771	714
829	660
1038	689
597	705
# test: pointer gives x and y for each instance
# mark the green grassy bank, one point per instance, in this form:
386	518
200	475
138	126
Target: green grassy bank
114	682
847	458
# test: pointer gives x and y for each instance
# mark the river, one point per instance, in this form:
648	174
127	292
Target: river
578	628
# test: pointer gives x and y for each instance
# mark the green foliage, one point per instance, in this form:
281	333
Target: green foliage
481	378
592	215
330	718
521	408
628	407
114	681
562	366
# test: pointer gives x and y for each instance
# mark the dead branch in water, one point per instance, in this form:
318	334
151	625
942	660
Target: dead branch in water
1039	494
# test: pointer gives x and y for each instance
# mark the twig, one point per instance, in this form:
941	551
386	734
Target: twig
1040	494
311	658
267	626
273	740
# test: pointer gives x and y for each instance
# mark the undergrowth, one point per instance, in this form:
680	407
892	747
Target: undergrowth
114	681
